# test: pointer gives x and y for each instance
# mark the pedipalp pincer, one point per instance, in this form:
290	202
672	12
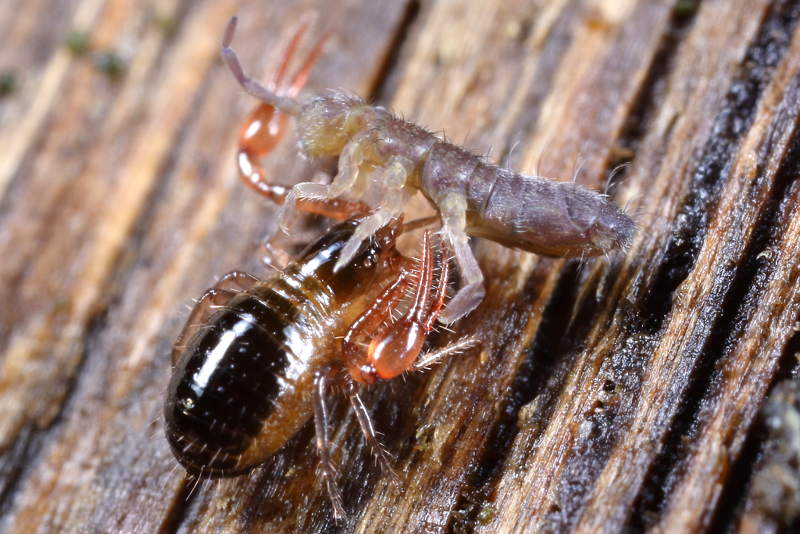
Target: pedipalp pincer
383	157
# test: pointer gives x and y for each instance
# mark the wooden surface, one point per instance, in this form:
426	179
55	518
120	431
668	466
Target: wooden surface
621	395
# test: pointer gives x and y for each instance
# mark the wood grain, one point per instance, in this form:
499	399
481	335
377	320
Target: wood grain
618	395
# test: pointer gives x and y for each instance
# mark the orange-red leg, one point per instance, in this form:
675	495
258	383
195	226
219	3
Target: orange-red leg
266	124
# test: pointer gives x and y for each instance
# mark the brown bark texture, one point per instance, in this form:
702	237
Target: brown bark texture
653	390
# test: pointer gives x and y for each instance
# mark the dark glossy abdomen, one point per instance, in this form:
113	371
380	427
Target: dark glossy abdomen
243	384
228	381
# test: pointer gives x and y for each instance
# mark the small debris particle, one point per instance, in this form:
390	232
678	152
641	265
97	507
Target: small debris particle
685	8
77	42
166	23
609	386
110	63
486	514
8	83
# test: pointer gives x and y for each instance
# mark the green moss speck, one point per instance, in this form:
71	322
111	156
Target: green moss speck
77	42
685	8
8	83
110	64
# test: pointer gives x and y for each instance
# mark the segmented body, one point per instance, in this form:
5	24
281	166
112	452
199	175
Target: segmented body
242	384
234	399
258	354
384	161
531	213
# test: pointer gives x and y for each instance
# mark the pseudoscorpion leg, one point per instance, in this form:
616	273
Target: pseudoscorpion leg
365	422
324	444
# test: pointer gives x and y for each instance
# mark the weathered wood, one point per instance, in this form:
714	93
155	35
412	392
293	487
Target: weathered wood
616	395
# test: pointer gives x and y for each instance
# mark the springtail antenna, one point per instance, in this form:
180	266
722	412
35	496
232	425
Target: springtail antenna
285	104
